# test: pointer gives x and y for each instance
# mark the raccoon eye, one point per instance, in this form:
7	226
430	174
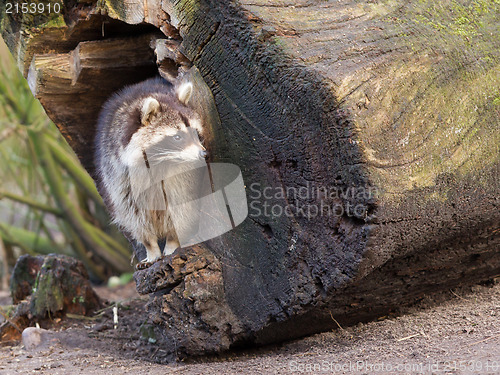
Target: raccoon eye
177	137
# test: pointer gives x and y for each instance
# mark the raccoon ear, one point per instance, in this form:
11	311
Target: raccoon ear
184	92
150	107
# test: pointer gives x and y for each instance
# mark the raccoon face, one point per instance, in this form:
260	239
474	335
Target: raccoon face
181	144
167	131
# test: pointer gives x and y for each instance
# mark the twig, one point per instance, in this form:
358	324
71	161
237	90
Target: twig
120	304
486	339
29	241
10	321
456	295
335	320
115	317
408	337
83	317
5	265
71	165
103	336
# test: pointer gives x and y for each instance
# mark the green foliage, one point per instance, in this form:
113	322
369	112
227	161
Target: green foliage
48	202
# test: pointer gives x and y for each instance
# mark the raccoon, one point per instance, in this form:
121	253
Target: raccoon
146	138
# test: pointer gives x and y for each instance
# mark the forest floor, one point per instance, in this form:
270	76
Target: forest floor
452	332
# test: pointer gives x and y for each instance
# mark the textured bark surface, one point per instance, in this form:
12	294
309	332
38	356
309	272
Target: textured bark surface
384	117
188	309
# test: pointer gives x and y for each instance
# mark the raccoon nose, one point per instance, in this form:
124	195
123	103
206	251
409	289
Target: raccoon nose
203	154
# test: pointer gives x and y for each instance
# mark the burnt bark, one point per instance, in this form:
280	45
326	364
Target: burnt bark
371	130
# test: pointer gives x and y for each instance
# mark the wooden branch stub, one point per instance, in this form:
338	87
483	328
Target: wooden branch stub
120	56
171	62
49	74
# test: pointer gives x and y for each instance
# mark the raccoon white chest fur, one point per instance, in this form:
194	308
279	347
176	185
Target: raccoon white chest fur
146	145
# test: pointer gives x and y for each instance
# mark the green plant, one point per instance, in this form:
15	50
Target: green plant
48	202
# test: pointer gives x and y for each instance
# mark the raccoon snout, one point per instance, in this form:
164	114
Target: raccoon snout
203	154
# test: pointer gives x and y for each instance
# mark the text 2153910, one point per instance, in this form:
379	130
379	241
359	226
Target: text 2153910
32	8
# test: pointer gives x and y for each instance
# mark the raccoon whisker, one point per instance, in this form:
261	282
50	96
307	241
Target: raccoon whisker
155	162
163	152
163	156
158	155
163	149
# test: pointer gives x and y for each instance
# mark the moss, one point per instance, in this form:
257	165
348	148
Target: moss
54	22
278	41
441	102
48	296
431	111
79	299
36	20
30	25
110	8
465	19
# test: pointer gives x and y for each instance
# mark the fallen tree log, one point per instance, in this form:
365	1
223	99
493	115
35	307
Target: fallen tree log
367	134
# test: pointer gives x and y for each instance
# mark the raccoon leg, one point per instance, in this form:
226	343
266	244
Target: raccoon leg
170	247
153	251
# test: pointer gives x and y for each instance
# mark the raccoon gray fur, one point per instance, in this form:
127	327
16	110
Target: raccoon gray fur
139	128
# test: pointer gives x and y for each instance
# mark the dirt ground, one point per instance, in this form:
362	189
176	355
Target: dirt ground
453	332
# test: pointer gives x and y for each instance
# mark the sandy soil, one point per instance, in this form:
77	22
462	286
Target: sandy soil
454	332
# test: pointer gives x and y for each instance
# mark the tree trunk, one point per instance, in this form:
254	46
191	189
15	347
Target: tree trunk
367	134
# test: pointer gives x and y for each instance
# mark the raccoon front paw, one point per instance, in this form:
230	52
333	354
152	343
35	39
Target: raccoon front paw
143	265
146	263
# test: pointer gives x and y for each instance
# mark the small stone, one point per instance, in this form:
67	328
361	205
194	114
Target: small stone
114	281
32	337
36	338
